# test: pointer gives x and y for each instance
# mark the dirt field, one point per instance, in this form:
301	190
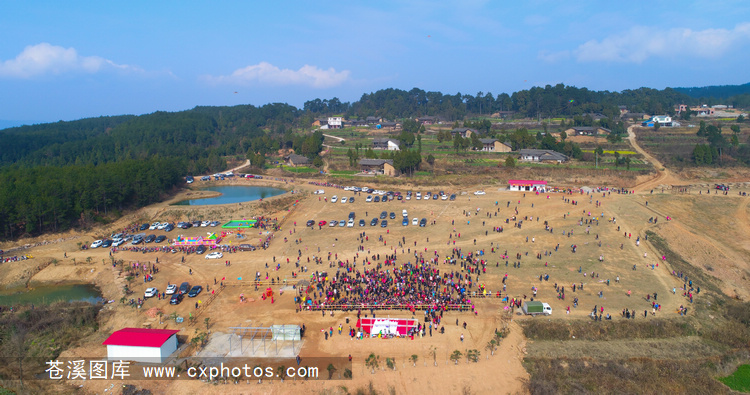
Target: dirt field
714	224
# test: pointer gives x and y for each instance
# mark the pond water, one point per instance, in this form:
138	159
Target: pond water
233	194
48	294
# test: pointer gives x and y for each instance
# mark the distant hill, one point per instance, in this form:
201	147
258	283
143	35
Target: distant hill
716	91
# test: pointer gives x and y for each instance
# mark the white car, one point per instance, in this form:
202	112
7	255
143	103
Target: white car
347	188
205	223
333	223
408	197
319	192
369	198
419	195
334	199
97	243
415	221
154	225
344	199
171	289
444	197
350	224
117	242
480	193
214	255
404	213
150	292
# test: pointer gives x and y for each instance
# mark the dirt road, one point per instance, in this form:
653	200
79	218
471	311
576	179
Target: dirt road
663	175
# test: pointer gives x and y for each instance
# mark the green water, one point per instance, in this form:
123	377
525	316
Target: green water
233	194
49	294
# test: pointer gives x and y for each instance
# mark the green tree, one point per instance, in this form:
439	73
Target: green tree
331	370
455	356
627	162
317	161
656	126
475	142
457	142
510	162
491	346
431	159
563	135
414	358
740	118
372	362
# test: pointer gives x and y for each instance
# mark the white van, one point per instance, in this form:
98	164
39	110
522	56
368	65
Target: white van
404	213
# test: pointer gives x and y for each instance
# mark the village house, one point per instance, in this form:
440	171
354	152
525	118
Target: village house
493	145
320	122
663	120
464	132
427	120
386	144
635	116
372	120
335	122
586	131
378	166
542	155
297	160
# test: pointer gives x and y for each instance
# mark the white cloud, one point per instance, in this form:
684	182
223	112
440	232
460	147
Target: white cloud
267	73
553	56
45	58
640	43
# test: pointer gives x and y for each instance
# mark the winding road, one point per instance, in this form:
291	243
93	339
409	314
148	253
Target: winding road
662	173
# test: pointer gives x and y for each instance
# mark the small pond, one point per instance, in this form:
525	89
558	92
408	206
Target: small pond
48	294
233	194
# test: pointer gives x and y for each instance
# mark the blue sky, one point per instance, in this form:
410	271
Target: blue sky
65	60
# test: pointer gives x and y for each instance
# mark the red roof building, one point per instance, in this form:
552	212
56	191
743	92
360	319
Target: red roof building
141	344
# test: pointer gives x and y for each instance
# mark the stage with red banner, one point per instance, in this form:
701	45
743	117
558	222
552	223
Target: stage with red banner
387	326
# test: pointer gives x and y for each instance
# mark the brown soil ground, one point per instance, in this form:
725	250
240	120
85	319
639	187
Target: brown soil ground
713	238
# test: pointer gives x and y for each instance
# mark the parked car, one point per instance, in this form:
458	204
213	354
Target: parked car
384	223
205	223
160	239
171	289
435	197
154	226
149	239
150	292
350	223
423	223
342	223
351	200
176	299
106	243
392	215
374	222
215	223
311	222
479	193
144	227
361	222
184	287
196	224
214	255
320	192
162	225
322	223
169	228
453	196
405	222
334	199
195	291
368	199
344	199
333	223
200	250
376	199
118	242
415	221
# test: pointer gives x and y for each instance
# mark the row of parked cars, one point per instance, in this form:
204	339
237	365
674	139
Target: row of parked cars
120	239
373	222
383	196
177	293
